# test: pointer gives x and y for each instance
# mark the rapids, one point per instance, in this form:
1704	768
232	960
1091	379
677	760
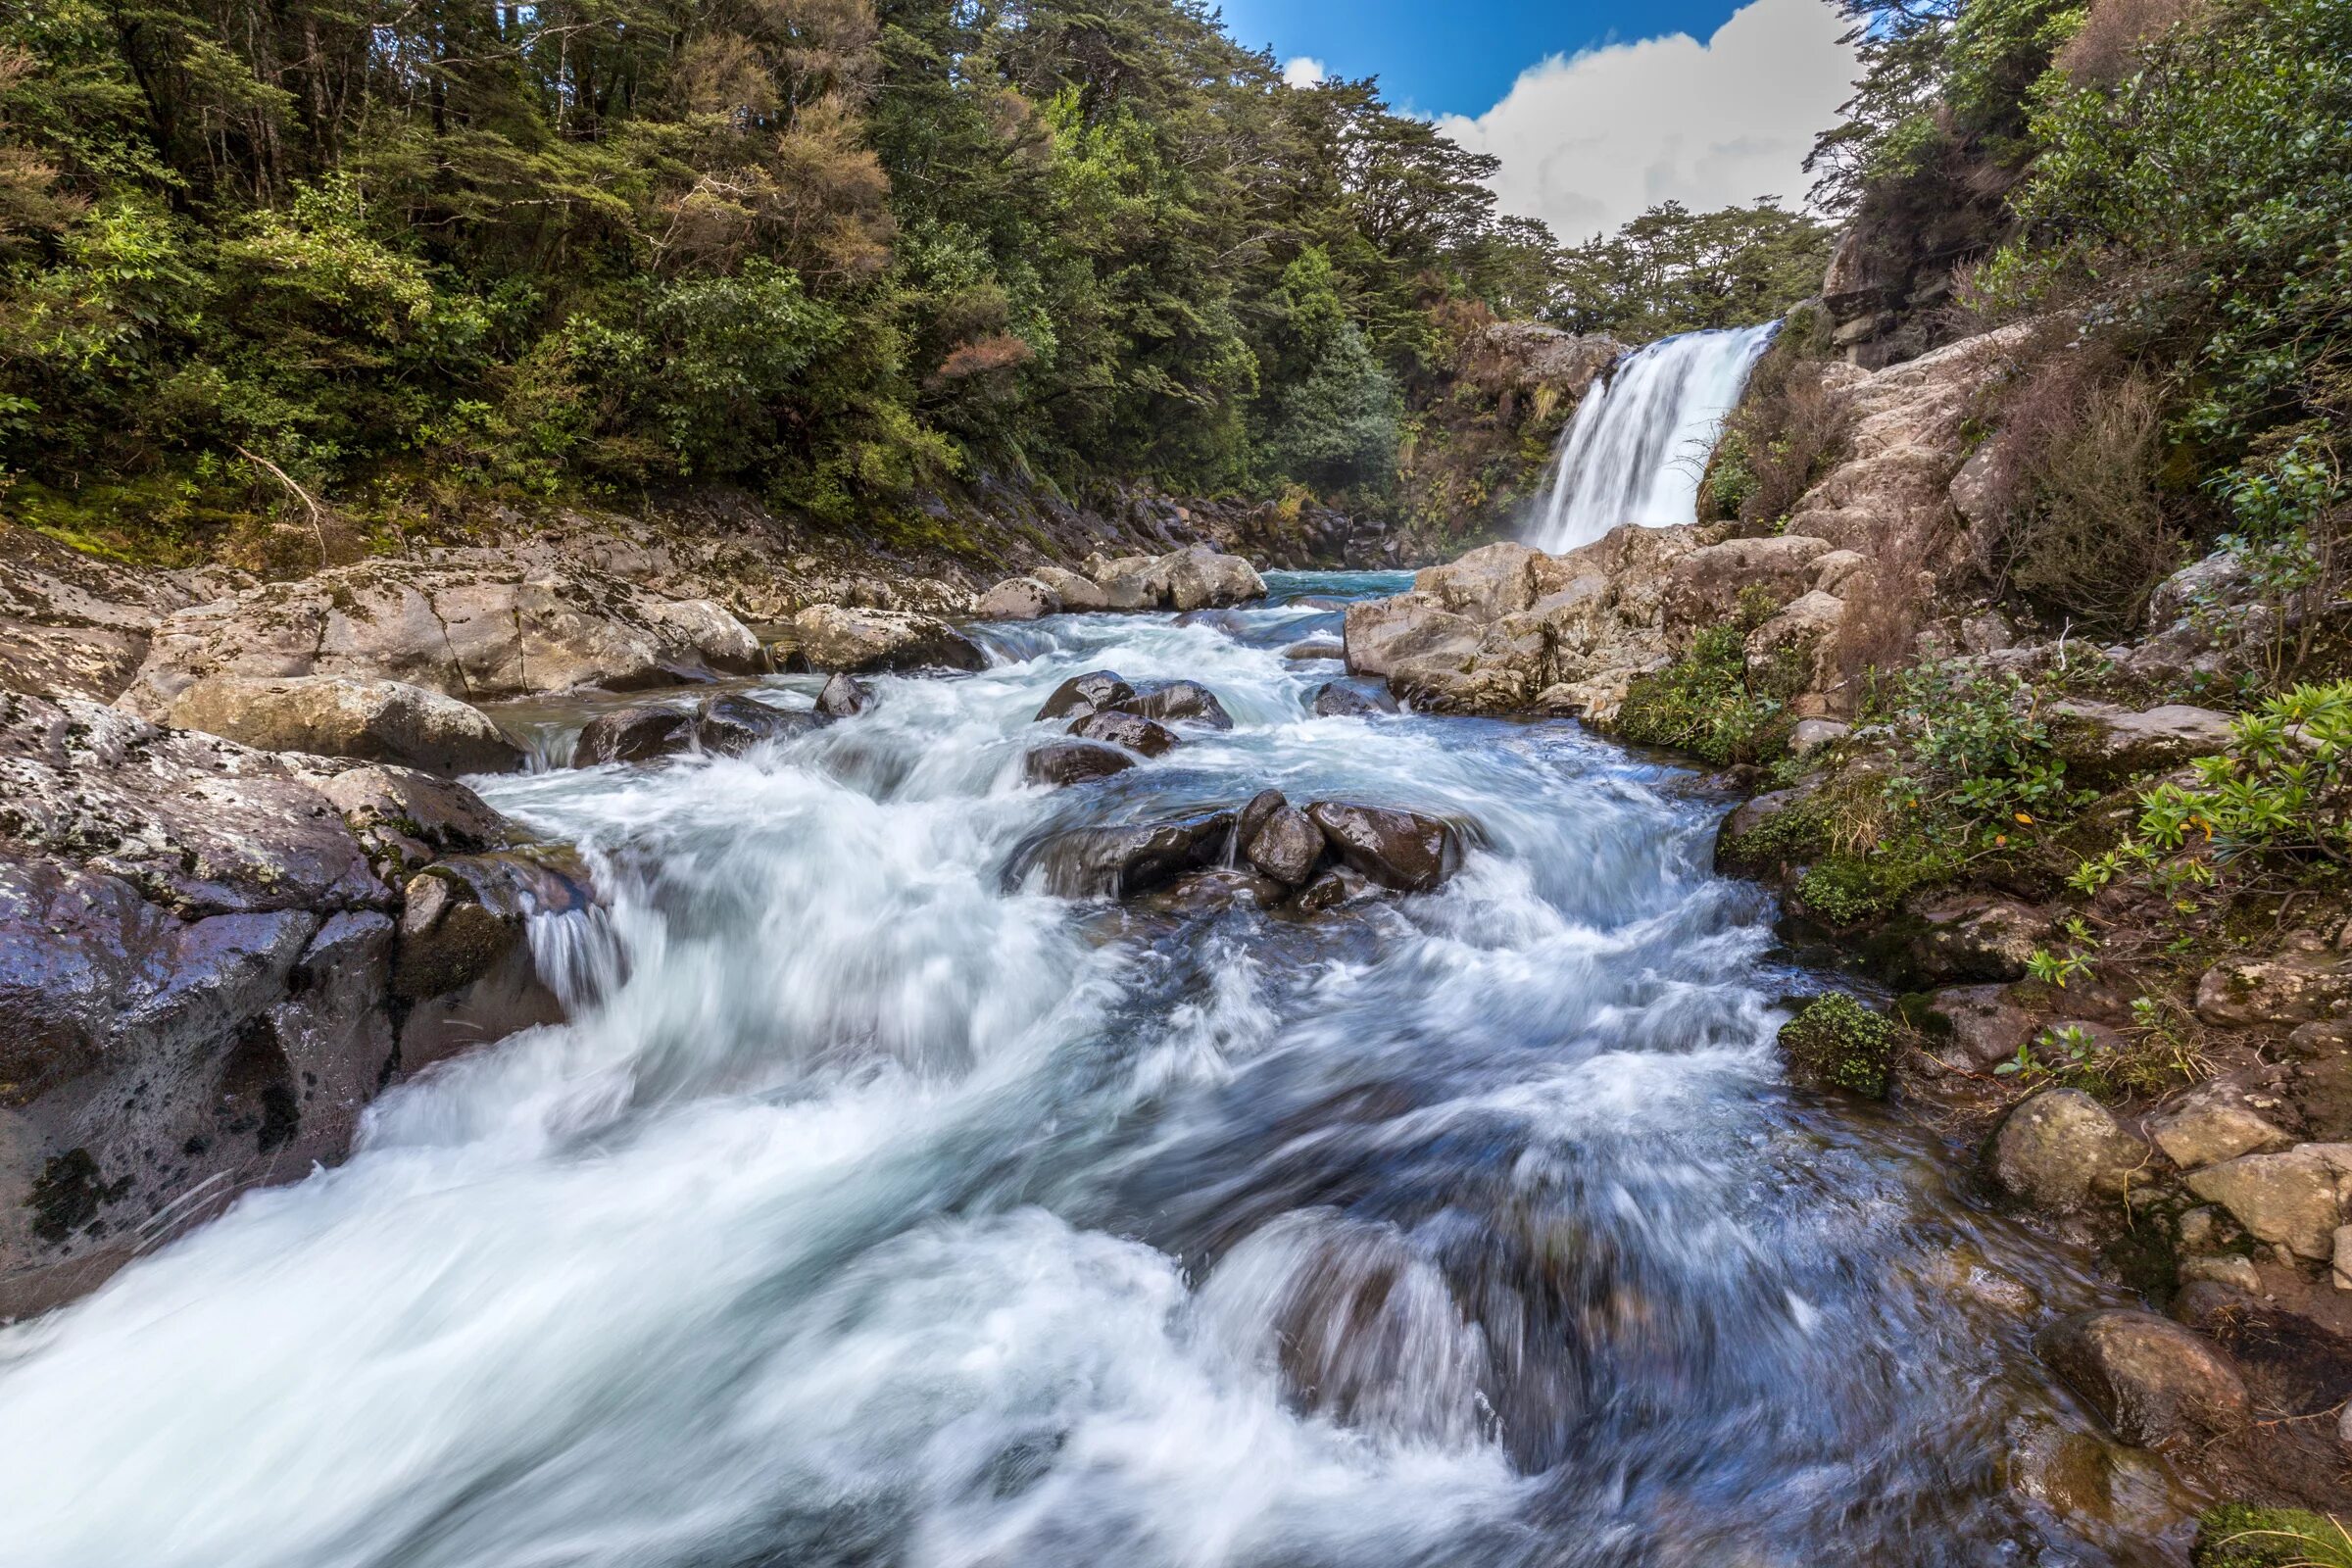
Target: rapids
874	1213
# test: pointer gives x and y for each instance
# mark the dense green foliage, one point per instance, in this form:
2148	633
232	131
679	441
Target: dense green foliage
833	248
1674	270
1710	703
1838	1042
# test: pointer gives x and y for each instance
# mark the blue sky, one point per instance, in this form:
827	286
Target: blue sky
1458	59
1596	110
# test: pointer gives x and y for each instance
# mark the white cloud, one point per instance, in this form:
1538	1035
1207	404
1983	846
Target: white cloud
1303	72
1587	143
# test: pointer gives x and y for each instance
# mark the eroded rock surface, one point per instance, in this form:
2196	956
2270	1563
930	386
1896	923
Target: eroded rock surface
344	715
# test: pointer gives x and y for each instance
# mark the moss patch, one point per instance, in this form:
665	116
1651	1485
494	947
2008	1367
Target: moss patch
1840	1042
2236	1536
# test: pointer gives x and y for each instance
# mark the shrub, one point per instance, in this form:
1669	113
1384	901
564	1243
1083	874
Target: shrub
2280	787
1788	429
1840	1042
1711	703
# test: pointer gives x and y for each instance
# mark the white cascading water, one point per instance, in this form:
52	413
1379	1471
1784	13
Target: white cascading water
1639	442
874	1213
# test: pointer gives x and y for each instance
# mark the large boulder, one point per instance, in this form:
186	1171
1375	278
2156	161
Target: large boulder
1123	861
830	638
1201	578
2294	1198
2153	1382
1017	599
1715	583
2061	1149
1402	851
635	734
196	960
1094	692
1118	727
1074	592
2105	746
1063	762
732	723
1178	702
464	633
1283	841
342	715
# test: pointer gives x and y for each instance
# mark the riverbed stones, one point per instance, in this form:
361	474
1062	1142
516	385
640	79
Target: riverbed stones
1118	727
1059	763
1201	578
2061	1149
1402	851
836	638
342	715
1075	592
2155	1382
2293	1198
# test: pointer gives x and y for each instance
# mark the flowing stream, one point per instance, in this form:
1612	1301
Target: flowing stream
1639	444
872	1212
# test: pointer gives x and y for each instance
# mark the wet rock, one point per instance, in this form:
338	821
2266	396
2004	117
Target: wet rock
493	898
473	633
1090	693
1255	813
336	715
1219	889
449	938
1974	938
1063	762
1341	700
2060	1150
1177	702
1201	578
2295	987
2212	1123
732	725
1287	846
1076	593
2293	1198
1402	851
2153	1382
2105	746
1315	647
637	734
843	697
834	638
1338	887
1123	861
406	819
1017	599
1117	727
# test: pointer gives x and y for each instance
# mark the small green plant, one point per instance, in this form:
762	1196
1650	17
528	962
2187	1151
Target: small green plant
2061	1053
1838	1041
2279	788
1976	747
2056	969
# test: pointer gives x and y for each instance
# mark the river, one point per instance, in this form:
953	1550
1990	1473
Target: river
872	1212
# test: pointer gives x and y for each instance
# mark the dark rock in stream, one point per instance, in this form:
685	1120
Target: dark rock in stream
1084	695
1402	851
1123	861
2154	1383
1116	727
1066	763
1286	846
732	725
1340	700
844	696
636	734
197	971
1177	702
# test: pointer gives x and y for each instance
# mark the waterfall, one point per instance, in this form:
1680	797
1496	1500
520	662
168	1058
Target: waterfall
1639	444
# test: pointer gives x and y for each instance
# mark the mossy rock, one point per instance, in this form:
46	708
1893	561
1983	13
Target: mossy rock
1838	1042
2233	1534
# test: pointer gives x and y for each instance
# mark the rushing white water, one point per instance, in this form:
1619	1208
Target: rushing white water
1639	442
874	1213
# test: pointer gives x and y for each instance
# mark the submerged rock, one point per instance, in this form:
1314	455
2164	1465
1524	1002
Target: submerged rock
2152	1380
342	715
1123	861
1340	700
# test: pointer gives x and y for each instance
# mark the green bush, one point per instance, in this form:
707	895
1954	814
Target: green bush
1711	703
1840	1042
